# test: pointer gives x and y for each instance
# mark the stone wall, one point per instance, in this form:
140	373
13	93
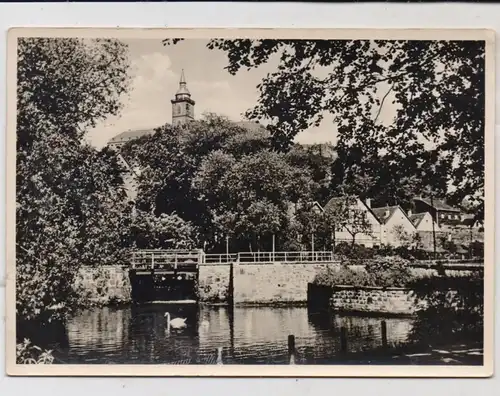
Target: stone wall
272	283
214	283
373	300
104	285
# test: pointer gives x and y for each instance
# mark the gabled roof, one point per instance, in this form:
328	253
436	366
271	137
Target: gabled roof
384	214
417	218
437	204
335	200
129	135
251	125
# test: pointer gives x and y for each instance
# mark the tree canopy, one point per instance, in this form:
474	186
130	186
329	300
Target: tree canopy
71	207
436	87
222	177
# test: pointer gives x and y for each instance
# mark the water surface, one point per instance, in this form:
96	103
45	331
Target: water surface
251	335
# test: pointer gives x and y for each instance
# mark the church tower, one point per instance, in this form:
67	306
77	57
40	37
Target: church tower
182	105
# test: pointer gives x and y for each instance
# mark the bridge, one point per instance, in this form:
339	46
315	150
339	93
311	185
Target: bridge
173	275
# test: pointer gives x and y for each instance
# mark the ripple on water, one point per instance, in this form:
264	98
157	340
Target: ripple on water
247	335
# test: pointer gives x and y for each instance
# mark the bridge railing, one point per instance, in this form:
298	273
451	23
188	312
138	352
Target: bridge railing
178	259
165	259
268	257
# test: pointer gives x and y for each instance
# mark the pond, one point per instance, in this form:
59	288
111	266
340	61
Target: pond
247	335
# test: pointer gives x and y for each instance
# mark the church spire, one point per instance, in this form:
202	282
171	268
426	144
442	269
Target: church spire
182	104
183	90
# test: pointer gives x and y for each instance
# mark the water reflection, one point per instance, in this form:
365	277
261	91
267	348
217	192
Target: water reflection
247	335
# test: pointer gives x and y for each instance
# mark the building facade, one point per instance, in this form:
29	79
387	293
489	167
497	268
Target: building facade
396	228
443	214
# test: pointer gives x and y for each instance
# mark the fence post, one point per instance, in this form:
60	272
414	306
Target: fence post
343	340
152	261
384	334
291	349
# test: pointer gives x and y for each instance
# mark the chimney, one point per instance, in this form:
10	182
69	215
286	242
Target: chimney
369	202
387	213
409	213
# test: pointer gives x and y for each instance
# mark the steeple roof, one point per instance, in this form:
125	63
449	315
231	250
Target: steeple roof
183	90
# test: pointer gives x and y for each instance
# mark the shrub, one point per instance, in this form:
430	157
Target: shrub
27	353
389	271
353	253
379	272
453	311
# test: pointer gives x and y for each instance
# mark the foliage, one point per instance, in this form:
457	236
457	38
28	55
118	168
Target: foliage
161	232
71	208
344	214
318	159
378	272
222	178
403	237
389	271
308	221
27	353
453	309
435	135
353	253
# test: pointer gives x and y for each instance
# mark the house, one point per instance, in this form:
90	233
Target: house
444	215
396	227
120	140
423	222
359	212
314	206
470	221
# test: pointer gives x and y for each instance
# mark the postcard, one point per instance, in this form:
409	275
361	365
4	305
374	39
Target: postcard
250	202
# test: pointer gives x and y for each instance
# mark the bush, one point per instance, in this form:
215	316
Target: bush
379	272
389	271
453	311
27	353
353	252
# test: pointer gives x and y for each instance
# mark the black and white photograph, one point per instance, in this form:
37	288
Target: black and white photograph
250	202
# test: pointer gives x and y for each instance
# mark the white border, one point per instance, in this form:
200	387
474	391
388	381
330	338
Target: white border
240	370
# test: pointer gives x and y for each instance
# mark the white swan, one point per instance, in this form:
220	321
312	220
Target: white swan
177	323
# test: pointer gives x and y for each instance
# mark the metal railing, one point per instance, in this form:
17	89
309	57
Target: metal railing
166	259
269	257
187	259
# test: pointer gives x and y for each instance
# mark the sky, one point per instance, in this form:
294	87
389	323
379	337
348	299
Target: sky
155	72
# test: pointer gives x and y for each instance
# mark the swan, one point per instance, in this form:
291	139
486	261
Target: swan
177	323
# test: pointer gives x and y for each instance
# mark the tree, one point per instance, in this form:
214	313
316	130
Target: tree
70	204
171	158
161	232
438	87
222	178
345	215
250	197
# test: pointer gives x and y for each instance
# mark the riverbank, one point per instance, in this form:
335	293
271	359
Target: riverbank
462	354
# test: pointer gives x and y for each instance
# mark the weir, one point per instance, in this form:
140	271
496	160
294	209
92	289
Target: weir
164	275
191	276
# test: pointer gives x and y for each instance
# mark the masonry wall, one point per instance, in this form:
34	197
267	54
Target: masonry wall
373	300
214	283
104	285
272	283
